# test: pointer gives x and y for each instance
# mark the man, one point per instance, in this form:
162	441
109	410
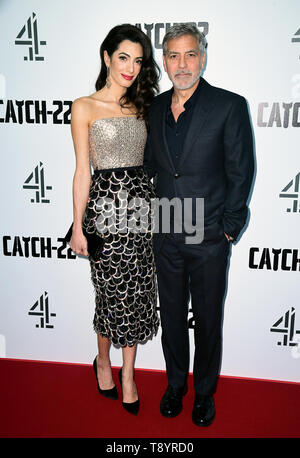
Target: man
199	146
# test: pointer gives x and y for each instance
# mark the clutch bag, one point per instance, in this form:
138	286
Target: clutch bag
94	241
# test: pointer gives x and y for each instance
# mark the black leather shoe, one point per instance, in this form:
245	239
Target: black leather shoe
111	393
131	407
171	402
204	410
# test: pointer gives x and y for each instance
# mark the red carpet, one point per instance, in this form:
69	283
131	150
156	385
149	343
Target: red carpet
47	400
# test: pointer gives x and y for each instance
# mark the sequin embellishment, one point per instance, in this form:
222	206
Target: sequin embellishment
124	277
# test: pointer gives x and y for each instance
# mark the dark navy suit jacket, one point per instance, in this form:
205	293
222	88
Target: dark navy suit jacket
216	163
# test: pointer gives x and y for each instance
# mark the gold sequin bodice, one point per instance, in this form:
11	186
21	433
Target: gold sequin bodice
117	142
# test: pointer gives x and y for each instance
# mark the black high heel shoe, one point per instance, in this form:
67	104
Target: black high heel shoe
131	407
112	393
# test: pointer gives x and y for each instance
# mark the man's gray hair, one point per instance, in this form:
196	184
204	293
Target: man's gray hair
178	30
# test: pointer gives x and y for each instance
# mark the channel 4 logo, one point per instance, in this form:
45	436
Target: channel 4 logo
36	182
296	37
291	191
285	326
41	310
28	36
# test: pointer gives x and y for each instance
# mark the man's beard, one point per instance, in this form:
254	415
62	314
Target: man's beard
187	85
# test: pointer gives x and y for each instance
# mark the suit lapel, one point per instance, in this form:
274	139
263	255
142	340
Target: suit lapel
161	127
204	104
171	163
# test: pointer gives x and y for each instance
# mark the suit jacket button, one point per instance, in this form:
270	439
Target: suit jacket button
176	175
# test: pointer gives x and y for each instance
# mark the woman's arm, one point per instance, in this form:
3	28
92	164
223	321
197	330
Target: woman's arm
82	175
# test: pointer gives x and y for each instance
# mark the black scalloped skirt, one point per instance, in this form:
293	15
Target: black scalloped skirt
124	277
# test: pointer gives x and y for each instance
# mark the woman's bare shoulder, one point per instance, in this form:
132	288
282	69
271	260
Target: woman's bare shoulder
83	107
89	103
82	103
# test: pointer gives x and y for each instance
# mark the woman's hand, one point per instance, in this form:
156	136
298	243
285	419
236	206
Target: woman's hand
78	243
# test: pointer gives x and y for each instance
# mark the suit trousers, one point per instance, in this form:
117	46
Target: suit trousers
198	273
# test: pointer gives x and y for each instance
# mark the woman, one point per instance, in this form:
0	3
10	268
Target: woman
108	129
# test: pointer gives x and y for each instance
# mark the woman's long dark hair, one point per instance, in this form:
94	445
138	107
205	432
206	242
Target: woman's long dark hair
141	93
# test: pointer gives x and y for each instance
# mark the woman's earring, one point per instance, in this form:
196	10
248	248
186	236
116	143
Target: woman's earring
108	82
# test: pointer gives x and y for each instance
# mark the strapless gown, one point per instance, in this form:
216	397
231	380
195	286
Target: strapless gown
124	277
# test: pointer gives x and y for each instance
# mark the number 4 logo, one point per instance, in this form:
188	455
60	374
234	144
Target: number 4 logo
291	191
41	309
286	326
36	181
296	37
28	36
